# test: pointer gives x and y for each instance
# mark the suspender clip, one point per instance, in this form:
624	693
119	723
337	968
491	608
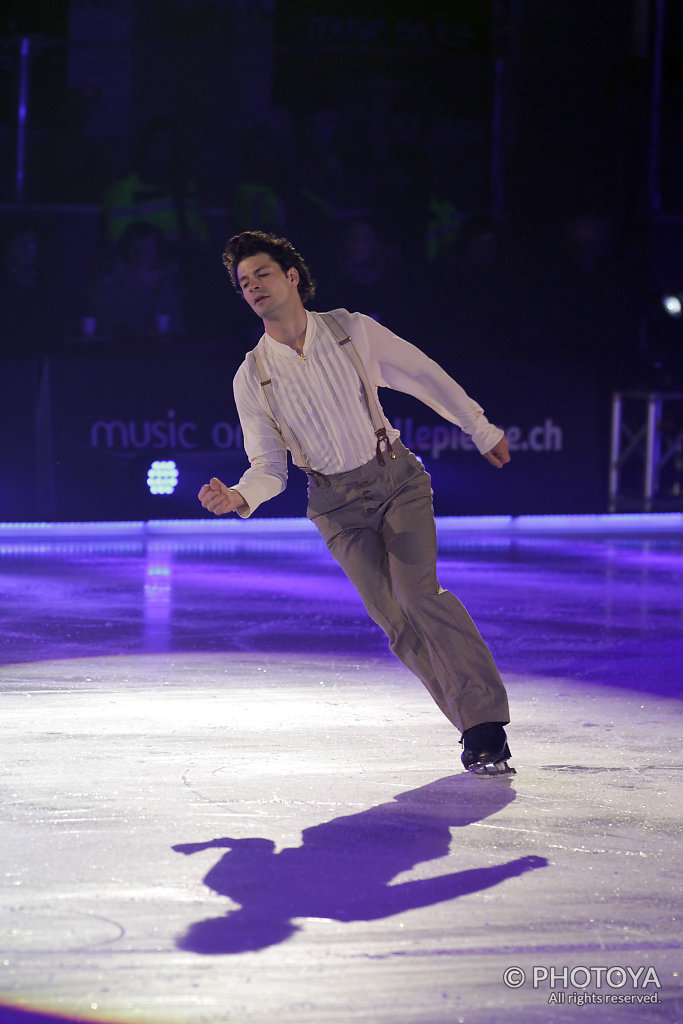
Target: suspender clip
382	436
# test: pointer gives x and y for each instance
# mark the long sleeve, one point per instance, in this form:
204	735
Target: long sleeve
263	444
395	363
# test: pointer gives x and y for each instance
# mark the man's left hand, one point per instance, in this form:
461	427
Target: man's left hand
499	454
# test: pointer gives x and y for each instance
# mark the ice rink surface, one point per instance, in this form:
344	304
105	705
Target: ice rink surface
224	801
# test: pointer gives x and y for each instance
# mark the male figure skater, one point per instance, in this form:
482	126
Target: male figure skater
310	387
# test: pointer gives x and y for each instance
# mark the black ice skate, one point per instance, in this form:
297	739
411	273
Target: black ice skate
486	751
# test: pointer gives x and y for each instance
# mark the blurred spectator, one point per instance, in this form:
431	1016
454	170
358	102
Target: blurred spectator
139	298
443	222
587	244
487	310
367	275
586	305
159	191
259	202
29	322
320	190
324	178
366	108
446	193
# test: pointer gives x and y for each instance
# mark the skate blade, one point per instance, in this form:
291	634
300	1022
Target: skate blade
492	770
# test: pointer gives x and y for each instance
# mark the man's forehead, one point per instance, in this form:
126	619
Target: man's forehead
251	263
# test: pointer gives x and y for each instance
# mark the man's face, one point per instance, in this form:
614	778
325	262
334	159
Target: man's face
266	286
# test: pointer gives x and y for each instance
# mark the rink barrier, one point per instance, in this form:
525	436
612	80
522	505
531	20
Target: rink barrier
603	523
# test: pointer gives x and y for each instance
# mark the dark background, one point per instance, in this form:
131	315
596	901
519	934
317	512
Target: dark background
499	182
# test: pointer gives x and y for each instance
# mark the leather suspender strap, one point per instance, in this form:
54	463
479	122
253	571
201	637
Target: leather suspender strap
369	395
287	434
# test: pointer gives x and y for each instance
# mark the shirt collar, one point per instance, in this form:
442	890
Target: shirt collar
277	349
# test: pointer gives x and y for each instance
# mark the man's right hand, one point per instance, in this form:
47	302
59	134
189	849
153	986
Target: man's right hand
219	499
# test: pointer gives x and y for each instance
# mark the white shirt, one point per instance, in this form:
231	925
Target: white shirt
320	397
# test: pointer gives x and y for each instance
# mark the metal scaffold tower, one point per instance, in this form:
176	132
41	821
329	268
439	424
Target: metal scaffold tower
647	436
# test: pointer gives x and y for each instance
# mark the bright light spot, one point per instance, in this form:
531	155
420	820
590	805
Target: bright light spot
162	477
158	570
672	305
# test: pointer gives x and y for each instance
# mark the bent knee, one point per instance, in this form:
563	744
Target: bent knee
418	596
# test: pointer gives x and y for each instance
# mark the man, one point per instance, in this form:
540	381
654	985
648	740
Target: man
310	386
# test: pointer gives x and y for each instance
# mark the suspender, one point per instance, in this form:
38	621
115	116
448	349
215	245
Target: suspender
369	395
288	435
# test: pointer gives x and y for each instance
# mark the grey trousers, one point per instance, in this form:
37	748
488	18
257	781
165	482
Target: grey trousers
378	523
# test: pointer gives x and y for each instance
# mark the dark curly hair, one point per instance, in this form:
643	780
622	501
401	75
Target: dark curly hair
250	243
